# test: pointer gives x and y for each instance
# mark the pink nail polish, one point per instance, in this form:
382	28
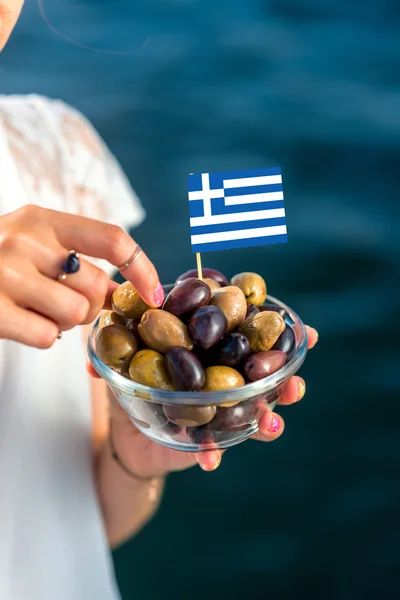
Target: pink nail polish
275	425
159	295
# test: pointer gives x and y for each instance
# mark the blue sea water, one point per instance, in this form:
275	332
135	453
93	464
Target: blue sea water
312	86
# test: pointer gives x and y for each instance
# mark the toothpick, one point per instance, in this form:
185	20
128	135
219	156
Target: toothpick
199	269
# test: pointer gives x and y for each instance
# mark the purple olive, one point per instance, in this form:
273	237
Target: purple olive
134	327
262	364
187	296
274	307
171	429
207	326
184	369
207	274
200	435
286	342
232	350
208	358
234	417
252	310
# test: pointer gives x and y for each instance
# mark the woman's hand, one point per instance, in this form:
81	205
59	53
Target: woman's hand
146	458
34	244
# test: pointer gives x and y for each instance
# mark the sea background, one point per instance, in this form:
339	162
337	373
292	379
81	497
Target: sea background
312	86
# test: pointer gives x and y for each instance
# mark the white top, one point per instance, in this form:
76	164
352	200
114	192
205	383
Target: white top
52	543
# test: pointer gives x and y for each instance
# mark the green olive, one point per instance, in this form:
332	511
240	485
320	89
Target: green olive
123	372
148	368
252	285
190	416
262	330
161	330
109	317
232	302
222	378
127	302
115	346
212	284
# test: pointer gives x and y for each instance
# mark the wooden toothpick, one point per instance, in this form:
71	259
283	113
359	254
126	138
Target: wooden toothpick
199	269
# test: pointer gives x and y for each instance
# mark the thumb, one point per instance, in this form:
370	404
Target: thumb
209	460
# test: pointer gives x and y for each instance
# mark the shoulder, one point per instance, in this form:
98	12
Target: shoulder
69	147
49	118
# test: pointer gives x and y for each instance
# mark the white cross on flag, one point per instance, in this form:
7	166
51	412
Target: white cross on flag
236	209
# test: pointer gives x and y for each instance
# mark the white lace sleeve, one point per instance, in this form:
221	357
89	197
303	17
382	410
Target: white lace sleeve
50	155
98	186
52	535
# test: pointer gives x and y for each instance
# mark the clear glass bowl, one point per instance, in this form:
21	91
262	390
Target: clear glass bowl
231	424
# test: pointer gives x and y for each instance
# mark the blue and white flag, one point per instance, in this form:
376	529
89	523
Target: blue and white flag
236	209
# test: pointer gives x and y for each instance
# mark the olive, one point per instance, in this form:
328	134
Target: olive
262	364
116	345
127	302
206	273
187	296
252	310
274	307
222	378
160	330
252	285
148	368
232	302
184	369
207	326
236	417
171	429
189	416
109	317
134	327
263	330
148	413
207	358
200	435
121	371
233	349
212	284
286	342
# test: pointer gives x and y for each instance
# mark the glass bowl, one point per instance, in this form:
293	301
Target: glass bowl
238	410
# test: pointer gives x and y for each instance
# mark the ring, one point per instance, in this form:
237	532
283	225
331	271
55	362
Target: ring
132	259
71	265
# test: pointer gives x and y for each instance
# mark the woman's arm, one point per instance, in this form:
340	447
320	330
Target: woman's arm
127	503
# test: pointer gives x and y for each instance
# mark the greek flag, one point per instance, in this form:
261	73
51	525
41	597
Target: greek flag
236	209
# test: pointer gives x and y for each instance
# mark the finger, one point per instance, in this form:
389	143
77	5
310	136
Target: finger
26	327
92	371
209	460
112	285
48	255
293	392
29	289
89	280
269	429
110	242
312	335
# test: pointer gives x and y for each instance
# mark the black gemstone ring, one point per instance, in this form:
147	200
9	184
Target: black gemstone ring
71	265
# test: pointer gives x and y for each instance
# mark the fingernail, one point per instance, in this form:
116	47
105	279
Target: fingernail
275	425
302	389
317	334
216	464
159	295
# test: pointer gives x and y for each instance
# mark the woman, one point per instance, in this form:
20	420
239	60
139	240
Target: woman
66	494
